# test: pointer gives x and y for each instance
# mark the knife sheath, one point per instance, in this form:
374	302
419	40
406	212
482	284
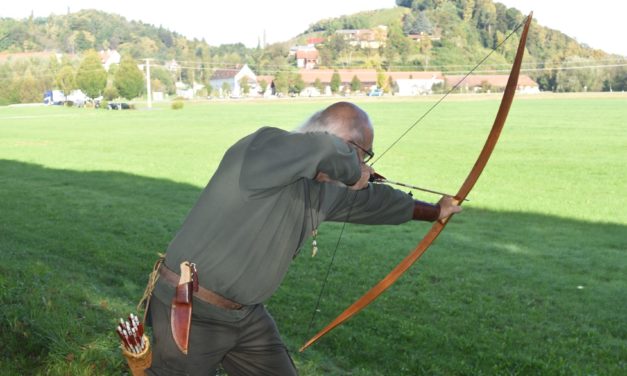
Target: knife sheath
181	310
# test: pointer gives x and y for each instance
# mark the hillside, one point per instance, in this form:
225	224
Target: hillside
90	29
448	36
460	33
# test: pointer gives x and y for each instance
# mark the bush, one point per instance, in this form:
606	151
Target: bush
177	105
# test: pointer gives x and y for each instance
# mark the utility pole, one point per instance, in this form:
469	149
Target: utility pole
148	89
193	77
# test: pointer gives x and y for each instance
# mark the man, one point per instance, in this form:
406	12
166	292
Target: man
269	194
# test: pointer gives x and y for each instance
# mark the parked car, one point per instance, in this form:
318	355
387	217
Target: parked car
118	106
375	93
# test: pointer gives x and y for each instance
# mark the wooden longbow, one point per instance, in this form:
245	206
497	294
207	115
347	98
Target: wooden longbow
438	226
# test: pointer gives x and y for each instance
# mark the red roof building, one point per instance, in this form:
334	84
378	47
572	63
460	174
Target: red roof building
490	82
307	59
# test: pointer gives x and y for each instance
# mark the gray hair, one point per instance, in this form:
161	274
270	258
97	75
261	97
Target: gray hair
341	118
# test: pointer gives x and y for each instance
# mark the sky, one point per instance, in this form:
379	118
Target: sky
599	23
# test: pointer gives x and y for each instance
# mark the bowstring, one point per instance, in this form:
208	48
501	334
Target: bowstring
449	92
326	278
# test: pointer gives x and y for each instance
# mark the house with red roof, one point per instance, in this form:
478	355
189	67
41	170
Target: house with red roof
109	57
307	58
406	83
365	38
477	83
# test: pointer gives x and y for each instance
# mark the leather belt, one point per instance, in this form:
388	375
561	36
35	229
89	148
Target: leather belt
203	294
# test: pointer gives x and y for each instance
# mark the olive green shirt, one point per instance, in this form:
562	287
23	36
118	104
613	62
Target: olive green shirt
262	204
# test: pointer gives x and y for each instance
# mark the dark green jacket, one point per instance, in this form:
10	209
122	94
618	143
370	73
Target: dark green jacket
262	204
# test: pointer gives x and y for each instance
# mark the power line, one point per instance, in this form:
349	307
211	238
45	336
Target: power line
16	75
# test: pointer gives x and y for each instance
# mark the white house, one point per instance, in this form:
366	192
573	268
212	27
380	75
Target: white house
109	57
172	66
415	83
184	90
417	86
233	78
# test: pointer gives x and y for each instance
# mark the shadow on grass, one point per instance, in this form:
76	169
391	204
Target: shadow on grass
500	292
76	250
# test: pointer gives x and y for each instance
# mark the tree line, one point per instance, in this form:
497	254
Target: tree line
25	81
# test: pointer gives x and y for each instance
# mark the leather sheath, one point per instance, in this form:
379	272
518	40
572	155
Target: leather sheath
181	309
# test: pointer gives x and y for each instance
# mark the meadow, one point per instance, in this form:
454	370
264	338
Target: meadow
529	279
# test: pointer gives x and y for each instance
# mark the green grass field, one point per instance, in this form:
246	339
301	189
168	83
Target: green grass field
529	279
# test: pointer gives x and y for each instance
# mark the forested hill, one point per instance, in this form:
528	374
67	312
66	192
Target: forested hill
443	35
462	32
92	29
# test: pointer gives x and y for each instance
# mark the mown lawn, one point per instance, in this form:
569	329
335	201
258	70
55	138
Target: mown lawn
529	279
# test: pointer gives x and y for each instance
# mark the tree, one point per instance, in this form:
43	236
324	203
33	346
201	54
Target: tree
244	86
381	80
281	82
485	14
28	89
616	80
6	75
226	89
392	86
337	45
110	92
166	78
318	85
129	80
468	8
422	24
263	85
486	87
65	80
91	77
297	84
417	23
81	42
336	81
355	84
569	80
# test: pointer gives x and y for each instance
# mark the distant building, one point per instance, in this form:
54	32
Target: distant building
187	91
415	83
476	83
172	66
233	78
422	35
365	38
407	83
270	89
307	58
109	57
315	40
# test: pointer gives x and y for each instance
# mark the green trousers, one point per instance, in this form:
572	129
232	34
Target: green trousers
250	346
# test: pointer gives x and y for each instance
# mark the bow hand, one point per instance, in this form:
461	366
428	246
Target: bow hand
448	207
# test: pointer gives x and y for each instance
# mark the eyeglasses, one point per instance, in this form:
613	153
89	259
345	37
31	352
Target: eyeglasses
368	154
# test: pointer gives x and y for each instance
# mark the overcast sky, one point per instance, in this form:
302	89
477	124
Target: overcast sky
598	23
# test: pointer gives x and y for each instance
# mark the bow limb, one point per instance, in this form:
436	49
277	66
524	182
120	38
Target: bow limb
438	226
